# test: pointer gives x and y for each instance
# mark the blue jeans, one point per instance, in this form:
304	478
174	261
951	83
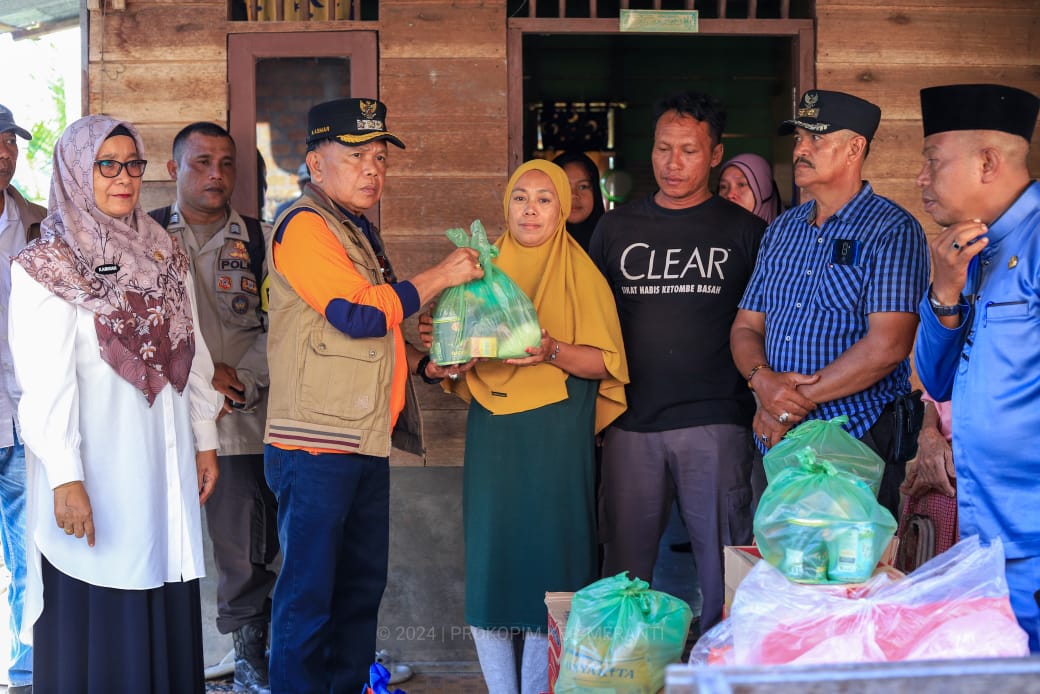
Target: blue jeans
12	533
334	529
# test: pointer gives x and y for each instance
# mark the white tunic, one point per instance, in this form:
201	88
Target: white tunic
81	421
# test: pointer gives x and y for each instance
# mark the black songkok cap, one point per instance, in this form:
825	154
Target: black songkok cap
979	107
821	111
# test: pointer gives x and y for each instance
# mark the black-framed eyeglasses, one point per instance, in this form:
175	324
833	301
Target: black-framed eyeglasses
110	168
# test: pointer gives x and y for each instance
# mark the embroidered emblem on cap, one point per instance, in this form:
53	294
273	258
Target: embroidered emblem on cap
368	110
810	110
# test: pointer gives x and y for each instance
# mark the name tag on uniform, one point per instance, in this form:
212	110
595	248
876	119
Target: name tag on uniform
845	252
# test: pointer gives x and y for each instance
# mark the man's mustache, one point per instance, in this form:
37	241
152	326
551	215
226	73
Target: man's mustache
803	160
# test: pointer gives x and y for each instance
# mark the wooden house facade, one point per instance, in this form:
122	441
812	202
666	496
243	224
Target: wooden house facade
468	83
459	76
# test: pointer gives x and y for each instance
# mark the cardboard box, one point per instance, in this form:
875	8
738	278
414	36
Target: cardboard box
738	561
559	608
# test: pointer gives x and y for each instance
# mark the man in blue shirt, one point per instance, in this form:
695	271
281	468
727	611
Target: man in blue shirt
979	339
828	319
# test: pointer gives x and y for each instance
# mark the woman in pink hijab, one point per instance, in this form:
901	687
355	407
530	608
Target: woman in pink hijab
119	420
747	180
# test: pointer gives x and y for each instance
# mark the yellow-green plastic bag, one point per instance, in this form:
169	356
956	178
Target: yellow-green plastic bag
488	317
828	441
819	526
620	637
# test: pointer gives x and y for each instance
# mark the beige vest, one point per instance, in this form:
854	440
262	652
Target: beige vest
329	390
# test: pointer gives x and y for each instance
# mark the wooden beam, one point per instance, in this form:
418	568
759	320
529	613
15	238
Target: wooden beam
515	94
805	47
710	27
235	28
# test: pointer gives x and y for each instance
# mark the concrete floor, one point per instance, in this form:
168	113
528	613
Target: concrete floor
421	618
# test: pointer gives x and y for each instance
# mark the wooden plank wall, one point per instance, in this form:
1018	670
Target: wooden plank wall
886	52
442	74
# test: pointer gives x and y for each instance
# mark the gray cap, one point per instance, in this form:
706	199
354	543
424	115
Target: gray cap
7	123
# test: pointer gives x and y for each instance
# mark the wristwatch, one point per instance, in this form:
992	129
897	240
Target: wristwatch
942	309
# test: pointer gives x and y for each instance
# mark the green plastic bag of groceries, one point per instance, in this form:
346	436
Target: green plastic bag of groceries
828	441
488	317
819	526
620	637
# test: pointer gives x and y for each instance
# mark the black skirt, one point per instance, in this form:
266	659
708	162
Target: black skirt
94	640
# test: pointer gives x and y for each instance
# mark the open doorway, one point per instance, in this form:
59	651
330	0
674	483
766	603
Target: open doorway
273	80
596	93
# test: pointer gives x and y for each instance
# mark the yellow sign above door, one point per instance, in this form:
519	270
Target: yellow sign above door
667	21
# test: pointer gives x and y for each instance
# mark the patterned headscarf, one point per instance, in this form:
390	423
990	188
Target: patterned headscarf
127	270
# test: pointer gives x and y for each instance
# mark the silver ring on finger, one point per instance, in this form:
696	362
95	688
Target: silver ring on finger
784	416
956	246
453	377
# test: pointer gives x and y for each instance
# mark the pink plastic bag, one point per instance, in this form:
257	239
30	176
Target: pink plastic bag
954	606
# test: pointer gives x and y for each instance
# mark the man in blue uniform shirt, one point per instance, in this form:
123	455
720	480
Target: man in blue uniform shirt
979	338
827	321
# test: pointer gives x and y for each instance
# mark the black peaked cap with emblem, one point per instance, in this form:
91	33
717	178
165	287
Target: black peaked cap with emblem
349	121
821	111
979	107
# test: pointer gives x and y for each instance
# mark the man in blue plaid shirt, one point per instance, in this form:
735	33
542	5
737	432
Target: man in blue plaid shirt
828	319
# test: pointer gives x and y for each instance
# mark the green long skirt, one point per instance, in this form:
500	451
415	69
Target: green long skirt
529	508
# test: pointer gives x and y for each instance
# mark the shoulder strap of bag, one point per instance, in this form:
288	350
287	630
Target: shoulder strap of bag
161	215
256	246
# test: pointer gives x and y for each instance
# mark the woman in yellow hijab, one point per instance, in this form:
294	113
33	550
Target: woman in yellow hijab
529	479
